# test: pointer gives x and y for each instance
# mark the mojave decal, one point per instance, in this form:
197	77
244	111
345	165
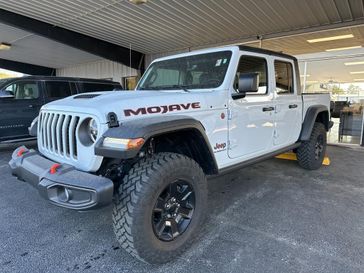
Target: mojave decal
162	109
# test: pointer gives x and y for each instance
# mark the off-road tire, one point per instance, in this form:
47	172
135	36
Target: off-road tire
135	199
306	153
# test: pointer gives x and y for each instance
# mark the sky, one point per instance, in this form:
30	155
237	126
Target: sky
4	73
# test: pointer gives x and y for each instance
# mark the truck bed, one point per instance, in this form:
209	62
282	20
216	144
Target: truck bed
310	99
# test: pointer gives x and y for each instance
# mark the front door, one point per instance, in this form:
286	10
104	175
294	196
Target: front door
17	112
251	119
288	105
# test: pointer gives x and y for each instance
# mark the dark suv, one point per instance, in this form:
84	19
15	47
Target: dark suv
22	98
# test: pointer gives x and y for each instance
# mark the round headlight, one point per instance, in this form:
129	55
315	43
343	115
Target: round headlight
92	129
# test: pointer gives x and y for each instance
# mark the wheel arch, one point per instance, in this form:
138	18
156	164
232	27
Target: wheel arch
179	134
315	113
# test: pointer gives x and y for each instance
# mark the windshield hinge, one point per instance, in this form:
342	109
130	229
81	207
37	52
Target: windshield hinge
229	114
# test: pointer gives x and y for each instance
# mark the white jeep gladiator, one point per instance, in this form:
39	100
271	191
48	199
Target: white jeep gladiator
149	151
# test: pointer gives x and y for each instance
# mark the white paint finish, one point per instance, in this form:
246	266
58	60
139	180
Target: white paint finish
250	129
102	69
48	133
287	121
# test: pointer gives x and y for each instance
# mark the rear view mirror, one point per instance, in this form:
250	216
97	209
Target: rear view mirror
248	82
6	94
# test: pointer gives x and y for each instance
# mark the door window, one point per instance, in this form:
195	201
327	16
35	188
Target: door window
57	89
23	90
95	87
252	64
284	77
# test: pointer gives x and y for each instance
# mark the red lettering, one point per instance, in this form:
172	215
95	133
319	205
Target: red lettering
129	112
174	107
153	109
186	106
164	109
196	105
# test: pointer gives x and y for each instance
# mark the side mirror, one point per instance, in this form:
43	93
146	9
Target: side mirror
248	82
6	95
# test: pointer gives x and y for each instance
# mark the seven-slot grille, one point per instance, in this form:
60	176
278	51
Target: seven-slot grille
57	133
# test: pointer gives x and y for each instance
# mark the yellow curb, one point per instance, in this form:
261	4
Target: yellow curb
293	156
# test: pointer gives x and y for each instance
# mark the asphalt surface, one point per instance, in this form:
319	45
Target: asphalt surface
270	217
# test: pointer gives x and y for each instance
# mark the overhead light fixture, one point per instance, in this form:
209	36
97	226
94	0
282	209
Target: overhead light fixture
358	80
5	46
303	76
138	2
332	38
357	72
354	63
342	48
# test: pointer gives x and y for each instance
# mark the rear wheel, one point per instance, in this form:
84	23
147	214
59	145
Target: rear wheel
160	207
311	153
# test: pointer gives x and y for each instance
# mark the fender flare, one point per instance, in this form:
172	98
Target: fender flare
151	127
310	119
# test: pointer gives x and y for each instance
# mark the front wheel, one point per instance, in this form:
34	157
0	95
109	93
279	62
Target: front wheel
311	153
160	207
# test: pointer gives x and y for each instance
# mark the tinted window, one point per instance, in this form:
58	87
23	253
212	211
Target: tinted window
57	89
23	90
94	87
284	77
250	64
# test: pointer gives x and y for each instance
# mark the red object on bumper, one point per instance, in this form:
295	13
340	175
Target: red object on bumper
21	152
54	168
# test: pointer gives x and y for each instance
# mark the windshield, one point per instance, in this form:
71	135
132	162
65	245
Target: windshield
191	72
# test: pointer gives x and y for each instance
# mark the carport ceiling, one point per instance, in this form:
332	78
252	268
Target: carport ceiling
33	49
164	25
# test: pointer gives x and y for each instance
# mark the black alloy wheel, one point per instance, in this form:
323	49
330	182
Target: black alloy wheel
319	147
173	210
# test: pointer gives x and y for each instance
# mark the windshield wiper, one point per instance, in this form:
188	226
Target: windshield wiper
166	87
182	87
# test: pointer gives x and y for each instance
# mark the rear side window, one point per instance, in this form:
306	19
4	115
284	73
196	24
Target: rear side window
27	90
94	87
57	89
252	64
284	77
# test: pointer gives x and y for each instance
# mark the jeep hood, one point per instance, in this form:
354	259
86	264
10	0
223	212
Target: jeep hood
131	104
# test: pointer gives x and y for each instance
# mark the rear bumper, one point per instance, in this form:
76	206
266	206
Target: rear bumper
65	186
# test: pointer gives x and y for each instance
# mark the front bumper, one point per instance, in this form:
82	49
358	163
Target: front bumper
61	184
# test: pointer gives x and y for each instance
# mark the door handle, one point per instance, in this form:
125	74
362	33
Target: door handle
291	106
267	109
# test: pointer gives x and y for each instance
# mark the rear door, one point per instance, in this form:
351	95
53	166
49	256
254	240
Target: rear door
251	119
17	113
288	104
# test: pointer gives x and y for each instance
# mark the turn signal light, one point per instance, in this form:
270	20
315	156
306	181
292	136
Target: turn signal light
135	143
123	143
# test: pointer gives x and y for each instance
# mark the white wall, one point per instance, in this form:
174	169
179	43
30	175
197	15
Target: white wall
102	69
